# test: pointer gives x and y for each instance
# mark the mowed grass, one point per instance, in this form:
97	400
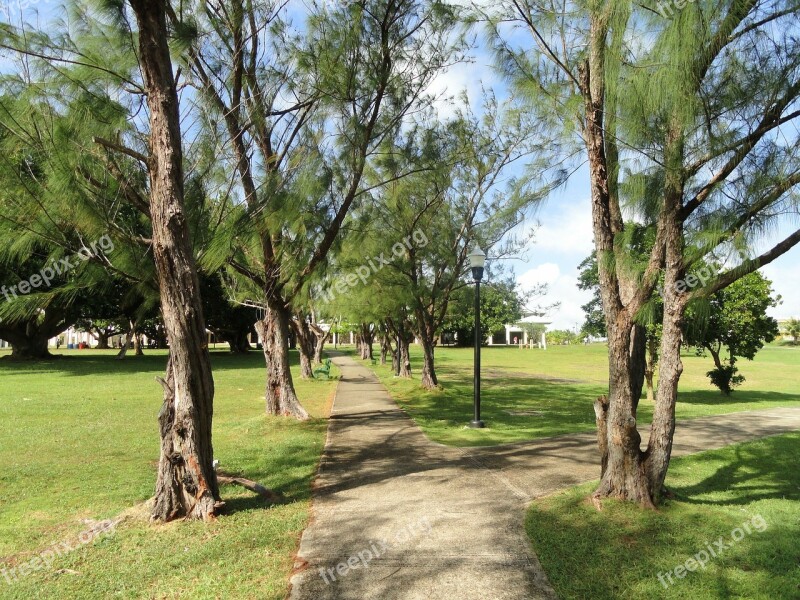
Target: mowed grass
528	394
745	496
79	441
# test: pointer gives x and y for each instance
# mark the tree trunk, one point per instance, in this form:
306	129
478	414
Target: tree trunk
186	484
29	338
399	329
623	476
29	348
650	369
102	340
126	344
305	343
601	418
405	358
137	344
238	342
129	337
428	379
123	351
320	337
662	430
715	355
366	336
648	378
386	346
638	363
281	398
393	350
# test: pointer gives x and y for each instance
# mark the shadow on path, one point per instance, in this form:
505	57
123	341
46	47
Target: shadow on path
397	516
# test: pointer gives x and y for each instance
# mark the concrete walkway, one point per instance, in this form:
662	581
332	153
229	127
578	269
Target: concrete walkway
397	516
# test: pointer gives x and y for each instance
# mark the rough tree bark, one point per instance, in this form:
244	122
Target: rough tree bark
405	359
186	484
428	378
305	343
623	475
659	448
281	398
405	352
601	418
386	347
427	339
366	337
28	348
650	368
400	329
320	338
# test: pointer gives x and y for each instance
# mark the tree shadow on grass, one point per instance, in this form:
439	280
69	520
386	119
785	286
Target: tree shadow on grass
576	543
535	406
749	472
92	362
716	398
579	551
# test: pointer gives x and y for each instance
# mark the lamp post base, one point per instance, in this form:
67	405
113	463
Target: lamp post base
477	424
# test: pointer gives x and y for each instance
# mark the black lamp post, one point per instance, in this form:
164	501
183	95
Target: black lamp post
477	260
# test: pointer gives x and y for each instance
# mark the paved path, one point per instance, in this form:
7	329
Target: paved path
420	521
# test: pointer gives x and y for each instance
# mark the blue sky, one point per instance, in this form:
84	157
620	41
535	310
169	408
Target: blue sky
564	239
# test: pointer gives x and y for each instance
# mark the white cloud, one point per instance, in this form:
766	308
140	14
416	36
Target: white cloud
785	276
448	86
566	229
562	287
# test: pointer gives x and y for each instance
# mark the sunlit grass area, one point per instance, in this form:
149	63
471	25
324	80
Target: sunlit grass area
746	497
529	394
79	442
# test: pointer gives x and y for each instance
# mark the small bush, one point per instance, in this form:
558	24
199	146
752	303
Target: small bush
725	378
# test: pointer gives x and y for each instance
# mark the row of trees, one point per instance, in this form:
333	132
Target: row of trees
296	117
288	162
461	188
226	154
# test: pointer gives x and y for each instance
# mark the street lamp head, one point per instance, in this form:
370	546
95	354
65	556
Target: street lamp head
477	260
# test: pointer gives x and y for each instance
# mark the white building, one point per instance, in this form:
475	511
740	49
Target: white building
514	332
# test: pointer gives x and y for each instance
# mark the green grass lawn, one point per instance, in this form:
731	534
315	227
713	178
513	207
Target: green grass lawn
557	387
620	552
78	440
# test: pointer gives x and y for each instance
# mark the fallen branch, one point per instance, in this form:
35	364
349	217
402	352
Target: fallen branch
253	486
